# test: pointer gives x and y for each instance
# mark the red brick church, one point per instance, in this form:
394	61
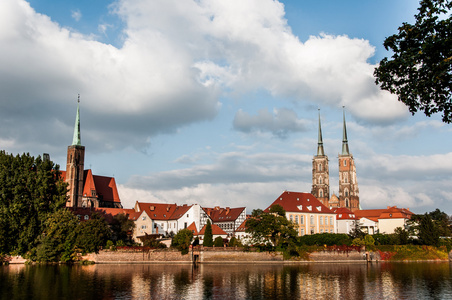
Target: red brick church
86	189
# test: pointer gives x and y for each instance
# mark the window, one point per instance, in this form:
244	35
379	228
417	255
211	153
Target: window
291	218
187	216
321	230
296	219
345	163
321	193
321	220
301	219
320	180
331	230
320	167
143	226
331	220
346	193
312	219
302	231
326	220
312	230
86	217
185	225
143	218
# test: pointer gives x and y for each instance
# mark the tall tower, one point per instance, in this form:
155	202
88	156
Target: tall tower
75	165
320	172
348	184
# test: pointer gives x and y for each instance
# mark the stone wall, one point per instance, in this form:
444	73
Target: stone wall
156	256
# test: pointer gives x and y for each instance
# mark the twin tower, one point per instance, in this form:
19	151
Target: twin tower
348	185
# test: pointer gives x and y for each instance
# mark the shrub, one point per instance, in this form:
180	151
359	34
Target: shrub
218	242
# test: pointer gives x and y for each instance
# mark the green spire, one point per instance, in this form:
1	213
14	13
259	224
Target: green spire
320	151
76	141
344	137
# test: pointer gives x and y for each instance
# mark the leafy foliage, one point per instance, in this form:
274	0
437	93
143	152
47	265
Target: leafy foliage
182	240
420	70
208	236
122	228
328	239
30	190
92	234
57	241
218	242
271	226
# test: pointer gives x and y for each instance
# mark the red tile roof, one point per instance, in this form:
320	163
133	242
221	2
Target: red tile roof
162	211
215	230
242	226
371	214
300	202
389	213
343	213
218	214
193	229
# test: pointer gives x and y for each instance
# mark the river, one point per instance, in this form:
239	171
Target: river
414	280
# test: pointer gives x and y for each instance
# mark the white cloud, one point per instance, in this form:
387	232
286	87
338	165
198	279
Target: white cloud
76	15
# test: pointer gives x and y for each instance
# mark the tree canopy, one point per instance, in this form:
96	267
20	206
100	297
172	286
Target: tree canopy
420	70
271	226
208	236
30	190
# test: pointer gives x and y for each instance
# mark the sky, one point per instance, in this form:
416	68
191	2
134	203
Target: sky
217	102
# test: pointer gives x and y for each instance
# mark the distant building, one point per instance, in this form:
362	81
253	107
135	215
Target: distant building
383	220
85	189
346	220
308	214
228	219
216	232
348	183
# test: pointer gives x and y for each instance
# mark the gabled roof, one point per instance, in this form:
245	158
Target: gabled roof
396	213
215	230
300	202
157	211
242	226
180	211
218	214
371	214
343	213
391	212
193	229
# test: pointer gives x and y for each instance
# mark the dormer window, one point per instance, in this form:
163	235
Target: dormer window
300	207
319	208
309	207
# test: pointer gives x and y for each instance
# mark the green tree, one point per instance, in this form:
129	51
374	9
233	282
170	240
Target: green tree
122	228
208	236
92	234
420	71
30	190
218	242
427	231
57	240
271	226
182	240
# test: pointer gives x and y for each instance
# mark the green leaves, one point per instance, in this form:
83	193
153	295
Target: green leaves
420	70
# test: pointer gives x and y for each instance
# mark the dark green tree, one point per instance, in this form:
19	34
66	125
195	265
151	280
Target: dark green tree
91	235
442	221
427	231
356	232
182	240
218	242
271	226
420	71
122	228
30	190
57	240
208	236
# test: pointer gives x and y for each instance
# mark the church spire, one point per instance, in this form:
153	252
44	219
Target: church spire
345	150
320	151
76	140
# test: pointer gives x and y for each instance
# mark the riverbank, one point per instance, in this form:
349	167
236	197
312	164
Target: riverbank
233	255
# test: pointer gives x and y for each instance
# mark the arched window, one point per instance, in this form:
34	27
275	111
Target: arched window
346	203
346	193
312	219
320	180
321	193
320	167
345	163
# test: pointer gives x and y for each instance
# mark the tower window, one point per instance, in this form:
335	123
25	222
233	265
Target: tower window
320	180
320	193
320	167
345	163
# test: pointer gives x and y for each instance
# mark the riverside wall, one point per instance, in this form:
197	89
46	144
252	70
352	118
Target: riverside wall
214	256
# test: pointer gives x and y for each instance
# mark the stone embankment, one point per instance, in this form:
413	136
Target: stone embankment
222	255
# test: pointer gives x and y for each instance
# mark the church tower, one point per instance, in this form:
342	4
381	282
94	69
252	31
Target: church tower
320	172
348	184
75	165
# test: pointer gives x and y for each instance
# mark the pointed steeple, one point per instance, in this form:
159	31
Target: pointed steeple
76	140
320	151
344	137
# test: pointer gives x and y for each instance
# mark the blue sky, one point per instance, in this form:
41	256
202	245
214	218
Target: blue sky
216	102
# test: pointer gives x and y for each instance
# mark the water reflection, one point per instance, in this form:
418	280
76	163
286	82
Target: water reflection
240	281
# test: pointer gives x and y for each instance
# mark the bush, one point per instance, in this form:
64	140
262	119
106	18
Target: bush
329	239
218	242
182	240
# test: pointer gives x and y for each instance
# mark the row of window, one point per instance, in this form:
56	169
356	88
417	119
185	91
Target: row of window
312	231
321	219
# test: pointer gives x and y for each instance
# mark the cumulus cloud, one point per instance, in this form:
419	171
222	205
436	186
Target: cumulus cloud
280	123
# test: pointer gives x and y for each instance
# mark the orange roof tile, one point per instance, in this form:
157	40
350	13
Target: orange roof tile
193	229
343	213
300	202
218	214
215	230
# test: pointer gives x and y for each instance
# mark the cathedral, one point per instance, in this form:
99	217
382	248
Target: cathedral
348	185
85	189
